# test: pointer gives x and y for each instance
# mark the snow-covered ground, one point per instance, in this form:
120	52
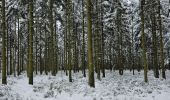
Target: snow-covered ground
113	87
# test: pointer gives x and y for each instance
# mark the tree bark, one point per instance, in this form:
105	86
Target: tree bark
90	53
4	78
143	41
161	41
31	42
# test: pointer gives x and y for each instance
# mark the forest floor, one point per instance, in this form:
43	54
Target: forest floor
112	87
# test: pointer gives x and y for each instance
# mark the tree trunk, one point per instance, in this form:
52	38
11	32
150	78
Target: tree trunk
4	78
31	42
90	53
18	62
154	48
161	41
102	42
40	55
83	46
7	42
143	41
69	28
52	53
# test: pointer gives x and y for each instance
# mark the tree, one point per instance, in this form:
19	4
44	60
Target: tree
46	52
90	53
36	50
7	33
10	44
40	51
55	47
143	41
154	39
161	40
18	63
69	40
120	41
28	42
31	30
83	46
97	42
4	79
102	42
52	53
65	40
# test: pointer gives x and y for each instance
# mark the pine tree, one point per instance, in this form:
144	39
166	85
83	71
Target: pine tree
40	51
102	41
154	39
65	40
28	43
18	63
120	37
90	53
31	42
52	52
4	78
161	41
97	41
83	44
132	47
7	41
10	45
69	7
46	53
56	47
143	41
36	49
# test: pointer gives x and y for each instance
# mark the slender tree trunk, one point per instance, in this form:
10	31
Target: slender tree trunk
4	78
14	59
18	62
40	55
69	39
10	50
46	53
7	42
56	47
21	52
28	44
31	42
90	53
154	39
161	41
102	41
143	41
97	36
83	46
36	51
132	48
120	55
73	39
22	57
52	52
65	40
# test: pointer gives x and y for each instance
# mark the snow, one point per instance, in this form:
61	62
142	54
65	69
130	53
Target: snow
113	87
